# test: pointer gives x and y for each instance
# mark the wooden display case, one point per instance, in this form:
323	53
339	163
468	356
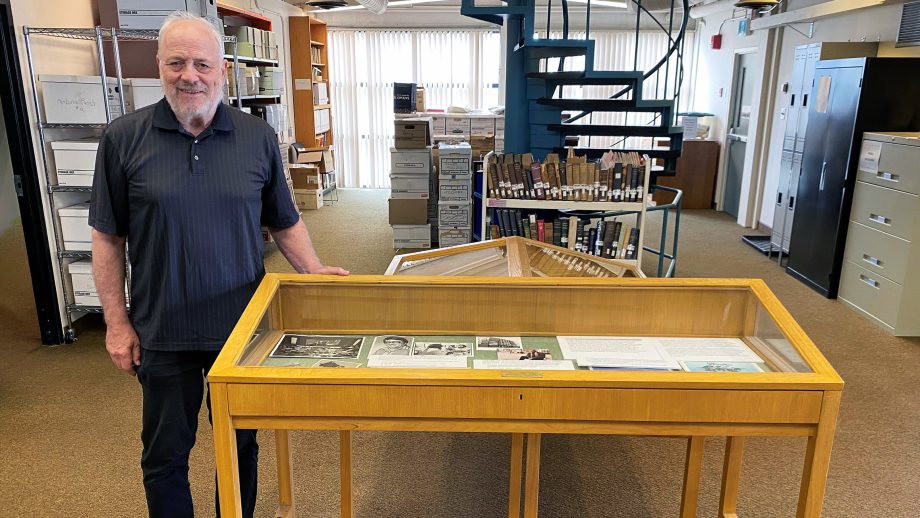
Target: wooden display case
510	257
797	395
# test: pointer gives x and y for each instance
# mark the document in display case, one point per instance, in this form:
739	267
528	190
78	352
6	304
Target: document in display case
524	356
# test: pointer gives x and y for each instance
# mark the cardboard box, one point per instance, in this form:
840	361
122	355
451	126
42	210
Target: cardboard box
412	236
420	99
81	281
75	230
413	133
458	126
500	128
144	92
439	125
415	162
482	126
455	161
305	177
75	161
454	191
410	187
453	236
321	158
408	211
79	99
454	215
308	199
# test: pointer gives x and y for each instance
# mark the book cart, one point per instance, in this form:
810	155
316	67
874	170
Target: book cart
796	395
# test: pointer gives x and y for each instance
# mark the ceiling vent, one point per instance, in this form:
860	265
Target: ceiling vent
327	4
909	32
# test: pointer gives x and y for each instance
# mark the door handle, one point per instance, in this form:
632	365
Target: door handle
891	177
791	202
878	218
779	198
872	260
823	175
869	280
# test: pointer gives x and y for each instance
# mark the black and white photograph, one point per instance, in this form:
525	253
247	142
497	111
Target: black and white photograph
524	354
392	345
317	346
442	349
337	364
494	343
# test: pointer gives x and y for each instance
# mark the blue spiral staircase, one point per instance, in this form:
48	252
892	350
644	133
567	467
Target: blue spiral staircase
541	109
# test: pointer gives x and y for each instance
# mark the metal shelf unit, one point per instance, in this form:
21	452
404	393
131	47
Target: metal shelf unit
98	35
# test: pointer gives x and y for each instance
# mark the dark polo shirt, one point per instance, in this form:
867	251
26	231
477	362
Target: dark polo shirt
191	208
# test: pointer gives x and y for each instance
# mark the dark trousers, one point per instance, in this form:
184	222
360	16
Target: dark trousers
173	385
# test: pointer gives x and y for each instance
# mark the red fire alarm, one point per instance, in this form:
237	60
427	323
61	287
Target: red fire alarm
716	42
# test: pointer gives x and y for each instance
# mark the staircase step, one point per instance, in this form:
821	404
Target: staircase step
614	131
539	49
595	78
608	105
492	14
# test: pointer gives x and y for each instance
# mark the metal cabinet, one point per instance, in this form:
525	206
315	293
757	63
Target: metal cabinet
883	241
800	84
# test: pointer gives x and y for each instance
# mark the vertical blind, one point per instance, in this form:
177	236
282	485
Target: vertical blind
458	68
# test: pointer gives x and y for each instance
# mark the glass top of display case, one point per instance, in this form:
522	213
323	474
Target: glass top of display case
510	257
605	331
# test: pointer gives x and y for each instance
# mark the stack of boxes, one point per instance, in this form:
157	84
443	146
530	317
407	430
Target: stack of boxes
308	170
484	131
252	42
413	195
455	192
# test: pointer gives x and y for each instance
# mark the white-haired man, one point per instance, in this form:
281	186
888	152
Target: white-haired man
186	183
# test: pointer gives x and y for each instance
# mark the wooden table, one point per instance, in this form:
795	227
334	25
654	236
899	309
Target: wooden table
800	399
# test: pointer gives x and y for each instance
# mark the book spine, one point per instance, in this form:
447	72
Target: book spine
618	182
592	238
563	224
541	231
633	247
598	241
537	176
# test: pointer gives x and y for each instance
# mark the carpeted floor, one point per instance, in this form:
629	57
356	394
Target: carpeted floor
69	421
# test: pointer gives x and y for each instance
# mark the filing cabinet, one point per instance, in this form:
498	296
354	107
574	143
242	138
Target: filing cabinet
880	277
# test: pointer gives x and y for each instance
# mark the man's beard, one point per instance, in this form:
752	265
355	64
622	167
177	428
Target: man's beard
187	112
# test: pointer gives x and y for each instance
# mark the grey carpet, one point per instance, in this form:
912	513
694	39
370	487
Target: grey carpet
69	422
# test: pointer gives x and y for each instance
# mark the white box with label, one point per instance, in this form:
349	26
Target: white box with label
415	162
411	236
482	126
144	92
453	236
458	126
454	215
81	279
455	161
79	99
409	187
455	191
75	161
75	229
439	124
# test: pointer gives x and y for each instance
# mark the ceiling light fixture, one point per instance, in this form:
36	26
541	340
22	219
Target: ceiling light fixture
398	3
601	3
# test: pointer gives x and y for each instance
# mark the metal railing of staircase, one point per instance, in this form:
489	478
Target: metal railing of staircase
676	46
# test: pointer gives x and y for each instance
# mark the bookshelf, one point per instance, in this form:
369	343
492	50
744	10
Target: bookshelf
583	209
310	82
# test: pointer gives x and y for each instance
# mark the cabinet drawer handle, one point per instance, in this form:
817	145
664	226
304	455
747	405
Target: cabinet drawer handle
878	218
872	260
869	280
891	177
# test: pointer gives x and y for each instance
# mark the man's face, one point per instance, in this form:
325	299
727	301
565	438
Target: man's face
192	70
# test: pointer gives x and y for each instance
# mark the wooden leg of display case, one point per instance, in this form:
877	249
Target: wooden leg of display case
517	464
345	472
285	474
818	458
228	474
532	476
731	477
692	470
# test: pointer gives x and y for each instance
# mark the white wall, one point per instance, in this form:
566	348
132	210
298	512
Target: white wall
9	205
715	74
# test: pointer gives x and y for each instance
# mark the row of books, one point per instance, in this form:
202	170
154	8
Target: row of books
611	239
519	176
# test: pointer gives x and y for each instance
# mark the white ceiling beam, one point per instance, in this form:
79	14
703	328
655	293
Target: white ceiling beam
814	12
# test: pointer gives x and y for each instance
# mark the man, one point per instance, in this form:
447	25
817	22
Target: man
186	183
